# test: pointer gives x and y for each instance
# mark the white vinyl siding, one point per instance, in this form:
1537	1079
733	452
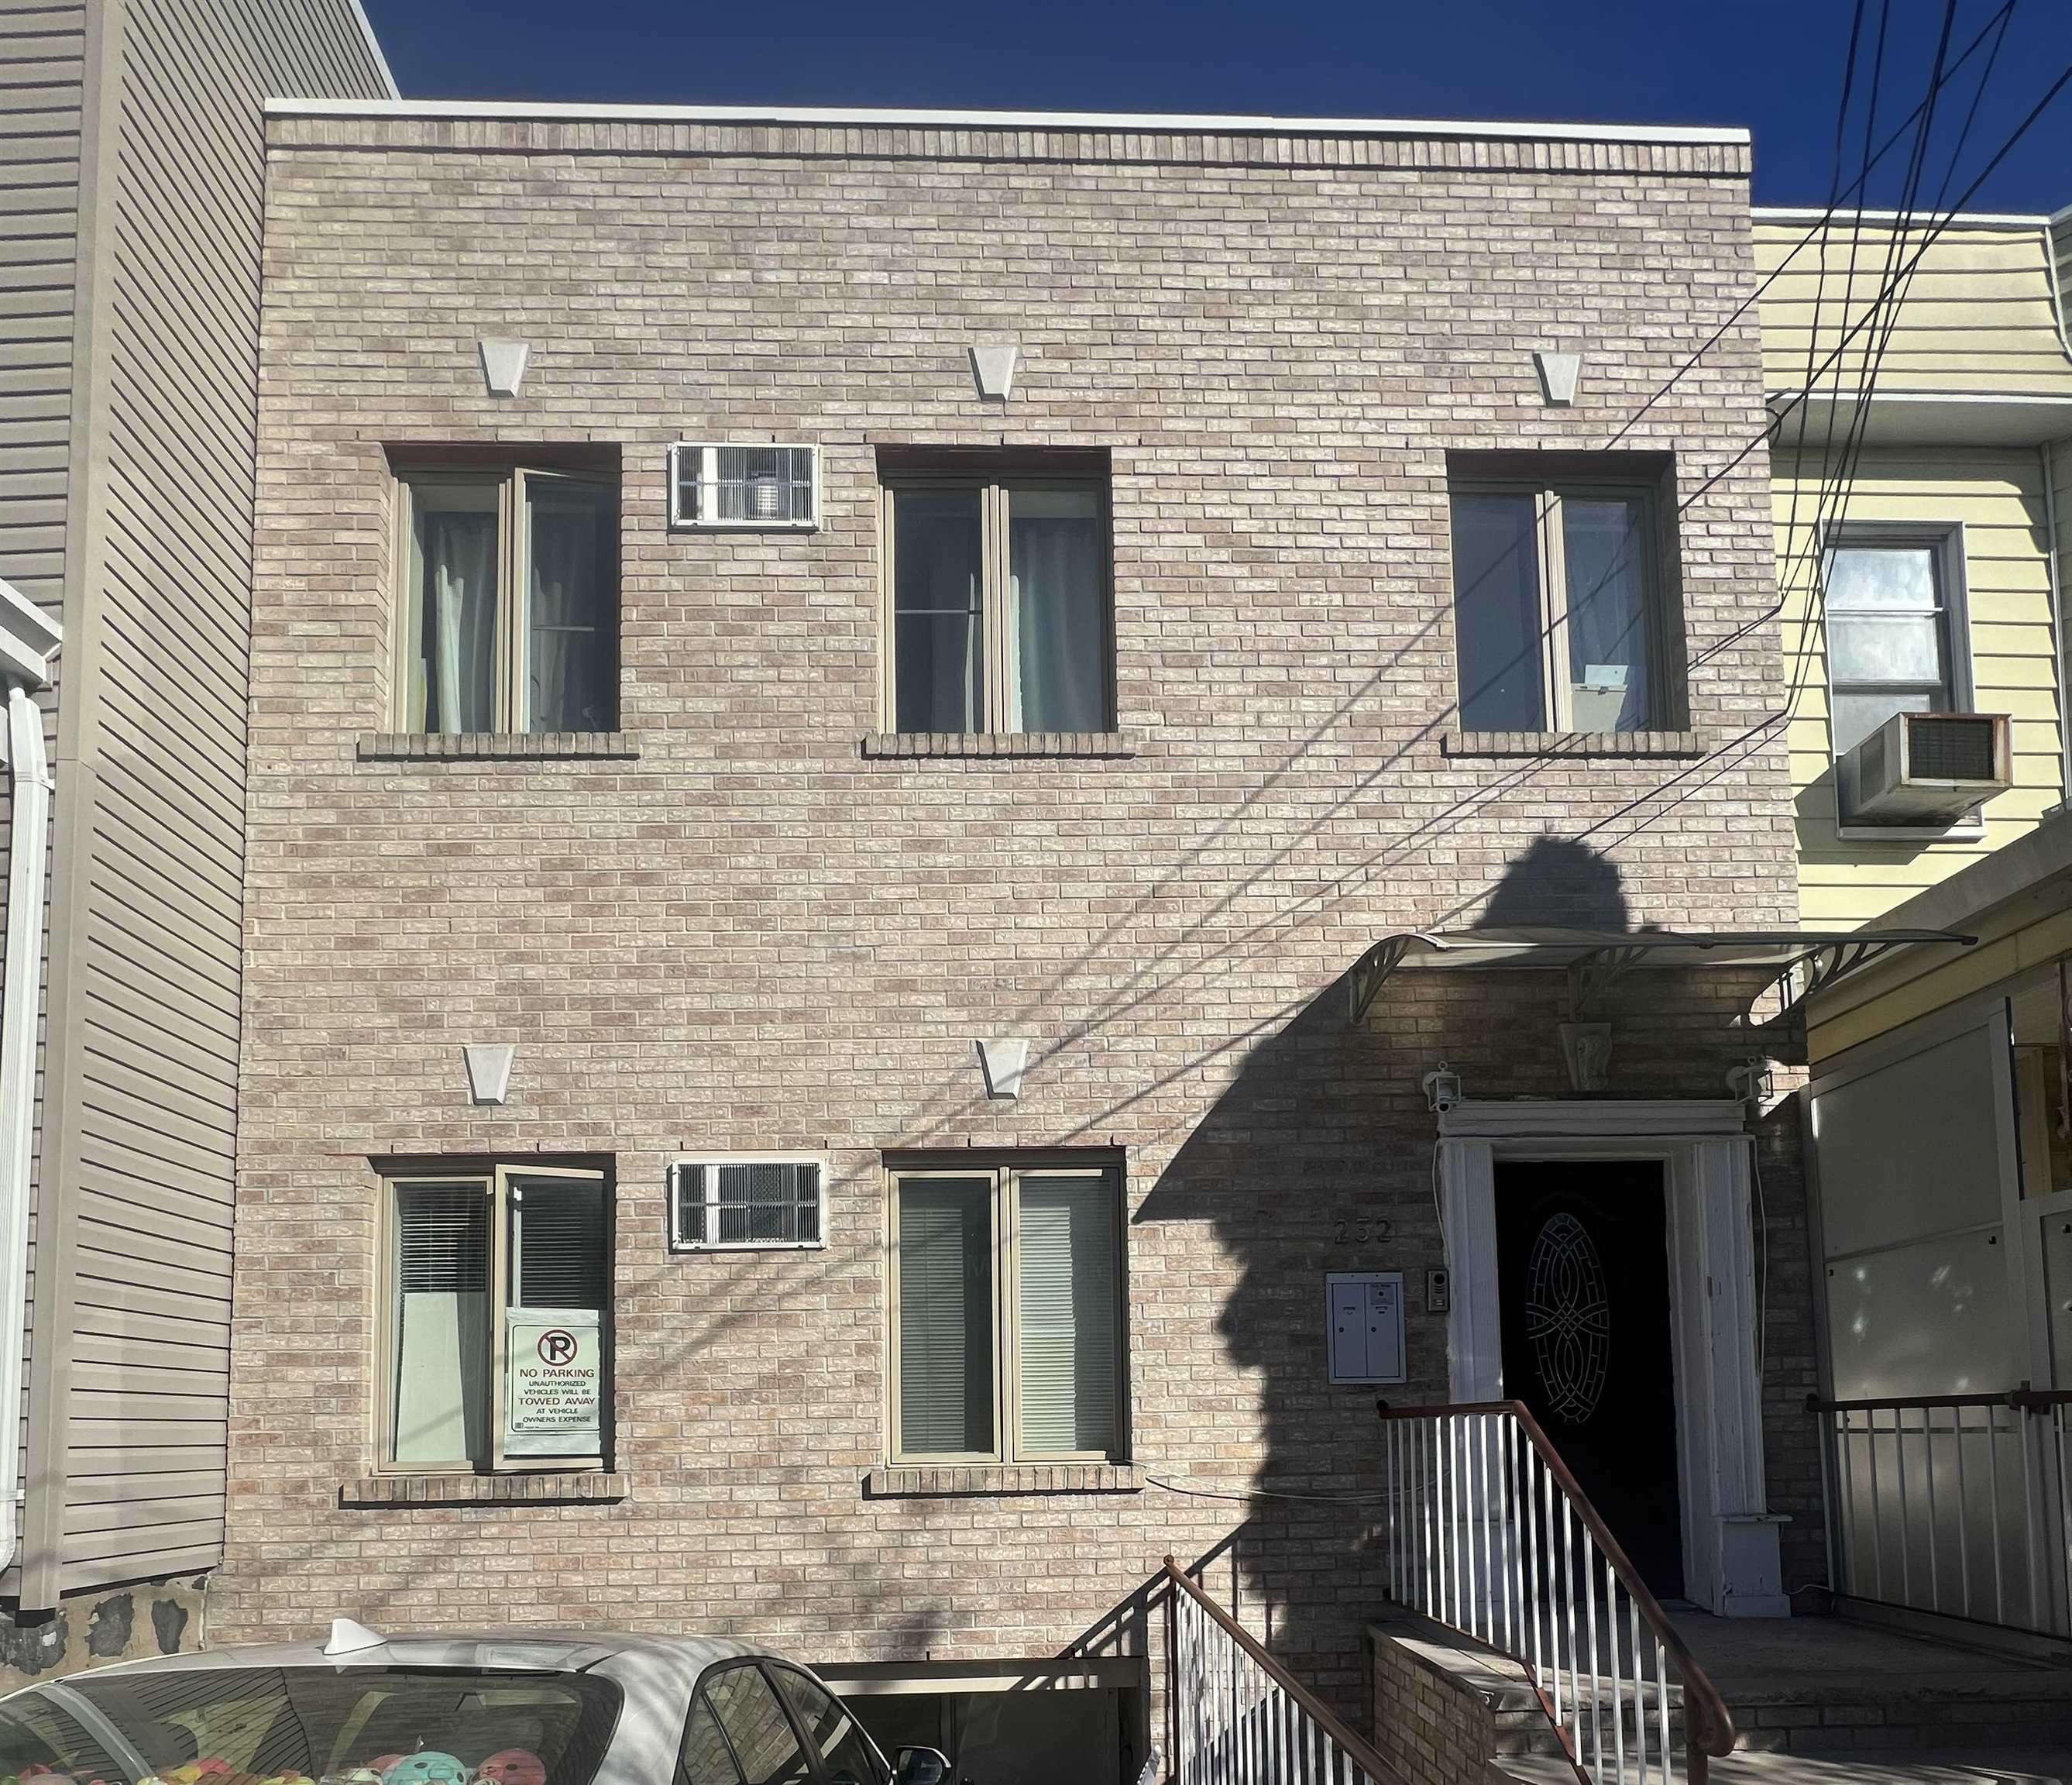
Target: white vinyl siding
1008	1299
128	1431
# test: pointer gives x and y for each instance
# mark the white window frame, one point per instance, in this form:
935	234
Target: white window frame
1667	699
1005	1278
1945	539
678	1241
495	1181
708	479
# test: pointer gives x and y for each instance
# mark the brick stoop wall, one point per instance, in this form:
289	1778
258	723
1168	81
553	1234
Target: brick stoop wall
1444	1708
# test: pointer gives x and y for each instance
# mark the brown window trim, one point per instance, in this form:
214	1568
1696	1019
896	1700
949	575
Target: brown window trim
991	472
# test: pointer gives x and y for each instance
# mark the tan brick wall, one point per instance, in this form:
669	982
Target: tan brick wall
753	935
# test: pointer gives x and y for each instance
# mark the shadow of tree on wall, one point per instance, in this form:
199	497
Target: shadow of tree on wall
1557	883
1320	1157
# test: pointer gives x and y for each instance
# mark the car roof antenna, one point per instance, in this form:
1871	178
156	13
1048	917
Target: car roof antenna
347	1638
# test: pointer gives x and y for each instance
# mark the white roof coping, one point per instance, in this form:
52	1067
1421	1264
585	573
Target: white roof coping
1179	123
1925	218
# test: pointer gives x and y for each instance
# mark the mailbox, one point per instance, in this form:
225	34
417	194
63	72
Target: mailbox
1364	1310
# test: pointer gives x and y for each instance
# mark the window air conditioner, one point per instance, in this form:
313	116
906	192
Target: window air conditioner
1925	768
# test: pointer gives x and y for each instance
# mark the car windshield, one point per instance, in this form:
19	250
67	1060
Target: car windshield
334	1725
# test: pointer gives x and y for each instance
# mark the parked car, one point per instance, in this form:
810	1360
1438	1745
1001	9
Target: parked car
519	1707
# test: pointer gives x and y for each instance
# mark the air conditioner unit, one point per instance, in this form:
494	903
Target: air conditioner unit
1925	768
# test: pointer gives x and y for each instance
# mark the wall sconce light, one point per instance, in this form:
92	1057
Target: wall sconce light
1442	1088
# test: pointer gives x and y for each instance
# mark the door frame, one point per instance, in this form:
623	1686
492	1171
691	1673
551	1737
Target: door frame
1730	1547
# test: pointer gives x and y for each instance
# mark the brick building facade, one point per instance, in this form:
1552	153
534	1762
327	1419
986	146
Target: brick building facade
750	916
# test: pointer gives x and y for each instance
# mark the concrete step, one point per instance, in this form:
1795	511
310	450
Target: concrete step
1985	1767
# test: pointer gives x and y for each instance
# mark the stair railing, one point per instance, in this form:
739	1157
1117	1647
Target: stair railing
1235	1716
1492	1535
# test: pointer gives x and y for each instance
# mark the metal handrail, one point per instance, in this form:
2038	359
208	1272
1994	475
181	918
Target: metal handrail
1708	1725
1359	1749
1954	1505
2026	1399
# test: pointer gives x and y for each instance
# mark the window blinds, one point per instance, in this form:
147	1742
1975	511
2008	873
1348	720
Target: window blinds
1066	1338
439	1393
945	1234
557	1242
443	1239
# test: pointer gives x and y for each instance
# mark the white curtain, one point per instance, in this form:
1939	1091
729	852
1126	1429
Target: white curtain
457	549
1059	677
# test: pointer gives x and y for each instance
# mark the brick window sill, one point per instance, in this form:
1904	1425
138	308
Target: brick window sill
943	1481
917	746
1615	745
574	1487
496	746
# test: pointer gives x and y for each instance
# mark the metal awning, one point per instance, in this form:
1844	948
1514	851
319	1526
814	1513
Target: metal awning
1804	961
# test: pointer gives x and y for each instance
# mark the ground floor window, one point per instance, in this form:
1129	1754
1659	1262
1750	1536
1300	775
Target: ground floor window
497	1341
1007	1311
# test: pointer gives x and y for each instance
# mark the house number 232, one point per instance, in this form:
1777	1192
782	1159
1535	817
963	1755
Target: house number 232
1360	1232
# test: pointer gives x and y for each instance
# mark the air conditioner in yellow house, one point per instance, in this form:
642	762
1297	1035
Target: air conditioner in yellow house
1926	769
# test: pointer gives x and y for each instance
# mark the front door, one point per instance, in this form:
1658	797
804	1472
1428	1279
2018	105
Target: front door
1583	1291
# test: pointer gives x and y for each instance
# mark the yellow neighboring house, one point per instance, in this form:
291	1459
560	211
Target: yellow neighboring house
1936	530
1939	1099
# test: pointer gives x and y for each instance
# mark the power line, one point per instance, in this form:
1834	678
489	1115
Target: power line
1834	204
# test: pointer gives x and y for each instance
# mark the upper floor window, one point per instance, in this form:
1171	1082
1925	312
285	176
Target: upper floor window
998	616
1563	618
508	614
1007	1313
498	1318
1894	603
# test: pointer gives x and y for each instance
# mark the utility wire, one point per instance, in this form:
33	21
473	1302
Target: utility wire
1836	200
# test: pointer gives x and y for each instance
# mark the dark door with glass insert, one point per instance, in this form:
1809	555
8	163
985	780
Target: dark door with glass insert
1583	1287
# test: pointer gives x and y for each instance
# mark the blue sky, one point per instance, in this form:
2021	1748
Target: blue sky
1774	65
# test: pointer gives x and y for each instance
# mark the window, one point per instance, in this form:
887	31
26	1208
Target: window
997	611
1007	1314
765	1747
263	1720
499	1324
704	1758
745	486
718	1203
845	1751
1894	601
508	619
1562	620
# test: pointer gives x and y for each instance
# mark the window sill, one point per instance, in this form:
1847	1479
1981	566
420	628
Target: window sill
910	746
477	747
1615	744
571	1487
927	1481
1914	835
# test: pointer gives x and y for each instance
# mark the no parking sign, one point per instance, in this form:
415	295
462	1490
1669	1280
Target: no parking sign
553	1391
